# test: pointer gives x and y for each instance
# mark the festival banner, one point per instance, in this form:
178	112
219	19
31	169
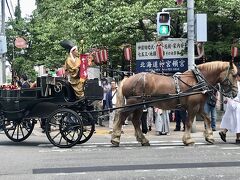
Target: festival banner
83	66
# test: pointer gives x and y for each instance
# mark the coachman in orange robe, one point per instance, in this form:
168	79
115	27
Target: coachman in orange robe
72	65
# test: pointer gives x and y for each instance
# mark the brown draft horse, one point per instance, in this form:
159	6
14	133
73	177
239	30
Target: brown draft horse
148	86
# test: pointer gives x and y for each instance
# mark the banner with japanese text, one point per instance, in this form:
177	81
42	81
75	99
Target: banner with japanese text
174	56
83	66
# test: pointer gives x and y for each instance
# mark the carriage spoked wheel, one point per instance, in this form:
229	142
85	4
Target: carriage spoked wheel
88	127
64	128
18	130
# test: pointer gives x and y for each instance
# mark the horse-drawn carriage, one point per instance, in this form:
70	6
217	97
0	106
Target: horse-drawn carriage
68	120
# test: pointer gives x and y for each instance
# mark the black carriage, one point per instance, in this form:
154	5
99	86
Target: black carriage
68	120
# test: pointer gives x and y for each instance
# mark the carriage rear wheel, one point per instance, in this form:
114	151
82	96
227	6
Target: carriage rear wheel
18	130
64	125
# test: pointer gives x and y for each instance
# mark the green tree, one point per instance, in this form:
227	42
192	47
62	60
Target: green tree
117	22
20	59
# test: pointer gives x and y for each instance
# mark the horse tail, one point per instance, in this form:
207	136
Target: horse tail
119	96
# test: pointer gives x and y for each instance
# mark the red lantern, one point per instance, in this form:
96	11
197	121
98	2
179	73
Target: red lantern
128	53
234	52
104	55
179	2
159	51
97	59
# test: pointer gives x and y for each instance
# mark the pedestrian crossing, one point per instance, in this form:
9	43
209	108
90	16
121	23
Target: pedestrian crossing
131	145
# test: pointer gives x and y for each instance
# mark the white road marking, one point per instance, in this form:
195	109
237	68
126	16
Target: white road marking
230	148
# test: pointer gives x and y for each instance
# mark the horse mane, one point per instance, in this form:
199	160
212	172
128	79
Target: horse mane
214	65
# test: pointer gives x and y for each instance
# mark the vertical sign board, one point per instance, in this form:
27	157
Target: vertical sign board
3	45
201	27
174	56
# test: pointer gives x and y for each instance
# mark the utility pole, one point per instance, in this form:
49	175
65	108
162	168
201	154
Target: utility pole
191	36
2	56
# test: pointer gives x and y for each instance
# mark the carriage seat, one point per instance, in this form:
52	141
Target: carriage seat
47	85
68	91
92	90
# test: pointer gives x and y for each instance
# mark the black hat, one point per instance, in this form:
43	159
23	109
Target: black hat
68	45
24	77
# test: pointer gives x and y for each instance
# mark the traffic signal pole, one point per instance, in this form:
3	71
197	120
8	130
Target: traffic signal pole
191	36
2	56
190	29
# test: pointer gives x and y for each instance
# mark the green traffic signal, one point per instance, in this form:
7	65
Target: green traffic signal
164	30
163	24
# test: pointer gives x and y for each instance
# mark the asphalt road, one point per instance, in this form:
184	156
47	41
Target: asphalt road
166	158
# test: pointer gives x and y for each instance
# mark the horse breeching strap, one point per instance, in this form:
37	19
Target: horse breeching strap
164	97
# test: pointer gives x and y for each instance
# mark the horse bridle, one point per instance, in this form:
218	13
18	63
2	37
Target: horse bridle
227	84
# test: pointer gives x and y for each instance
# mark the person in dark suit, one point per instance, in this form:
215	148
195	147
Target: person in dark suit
25	83
180	116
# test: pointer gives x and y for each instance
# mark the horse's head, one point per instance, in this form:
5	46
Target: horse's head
228	81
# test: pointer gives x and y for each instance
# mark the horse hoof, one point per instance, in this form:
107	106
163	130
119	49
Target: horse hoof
189	142
146	144
211	141
115	144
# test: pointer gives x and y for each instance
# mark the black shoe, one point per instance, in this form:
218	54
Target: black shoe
213	129
176	129
149	128
237	141
101	125
222	136
162	133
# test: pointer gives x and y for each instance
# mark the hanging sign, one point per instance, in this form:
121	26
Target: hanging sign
83	66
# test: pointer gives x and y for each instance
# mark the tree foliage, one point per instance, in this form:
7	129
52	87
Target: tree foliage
113	23
20	59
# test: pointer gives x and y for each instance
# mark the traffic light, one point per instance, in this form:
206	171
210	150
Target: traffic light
163	24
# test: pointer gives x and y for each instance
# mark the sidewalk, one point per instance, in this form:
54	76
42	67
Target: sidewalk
129	129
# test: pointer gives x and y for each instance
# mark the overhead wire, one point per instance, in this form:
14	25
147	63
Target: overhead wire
9	9
11	5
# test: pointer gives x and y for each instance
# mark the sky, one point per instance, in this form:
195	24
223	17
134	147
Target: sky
27	6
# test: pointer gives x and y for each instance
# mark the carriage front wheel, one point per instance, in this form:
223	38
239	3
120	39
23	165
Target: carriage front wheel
18	130
64	125
88	127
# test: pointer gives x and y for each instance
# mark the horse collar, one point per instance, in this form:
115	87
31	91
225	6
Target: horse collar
200	78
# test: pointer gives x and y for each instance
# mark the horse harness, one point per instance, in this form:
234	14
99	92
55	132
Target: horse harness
176	78
200	85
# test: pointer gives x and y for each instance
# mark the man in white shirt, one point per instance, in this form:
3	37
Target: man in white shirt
111	102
